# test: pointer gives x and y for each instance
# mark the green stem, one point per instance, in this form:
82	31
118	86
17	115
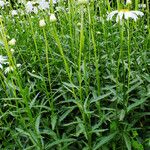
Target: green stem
128	31
47	59
80	52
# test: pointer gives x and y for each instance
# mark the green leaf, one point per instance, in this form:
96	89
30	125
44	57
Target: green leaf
147	77
100	97
113	126
34	100
35	76
53	120
71	140
137	103
80	128
104	140
122	115
135	86
65	114
49	132
127	141
71	85
37	123
22	132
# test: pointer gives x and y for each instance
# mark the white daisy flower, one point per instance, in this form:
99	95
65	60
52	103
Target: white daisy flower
14	13
29	7
125	14
3	60
2	4
43	5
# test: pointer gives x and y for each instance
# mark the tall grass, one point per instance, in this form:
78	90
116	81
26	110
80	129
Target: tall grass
84	81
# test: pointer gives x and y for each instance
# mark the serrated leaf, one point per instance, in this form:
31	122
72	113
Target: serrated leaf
100	97
49	132
37	123
22	132
104	140
65	114
35	76
71	85
137	103
58	142
33	101
147	77
135	86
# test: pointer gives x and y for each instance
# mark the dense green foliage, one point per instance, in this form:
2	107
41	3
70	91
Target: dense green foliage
83	83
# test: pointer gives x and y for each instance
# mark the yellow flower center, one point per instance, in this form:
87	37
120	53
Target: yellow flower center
124	10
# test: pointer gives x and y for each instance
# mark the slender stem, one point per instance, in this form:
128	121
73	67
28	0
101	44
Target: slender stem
118	65
80	52
47	59
128	31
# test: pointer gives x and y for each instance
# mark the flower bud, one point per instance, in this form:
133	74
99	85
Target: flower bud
52	18
128	2
12	50
42	23
12	42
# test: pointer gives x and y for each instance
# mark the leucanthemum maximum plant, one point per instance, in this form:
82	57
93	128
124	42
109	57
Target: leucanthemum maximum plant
75	79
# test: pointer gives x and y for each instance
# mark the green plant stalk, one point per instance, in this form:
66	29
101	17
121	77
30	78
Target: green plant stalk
121	27
95	54
108	5
128	32
87	128
54	32
47	59
118	4
51	6
148	17
80	52
70	20
35	43
49	73
96	60
136	4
